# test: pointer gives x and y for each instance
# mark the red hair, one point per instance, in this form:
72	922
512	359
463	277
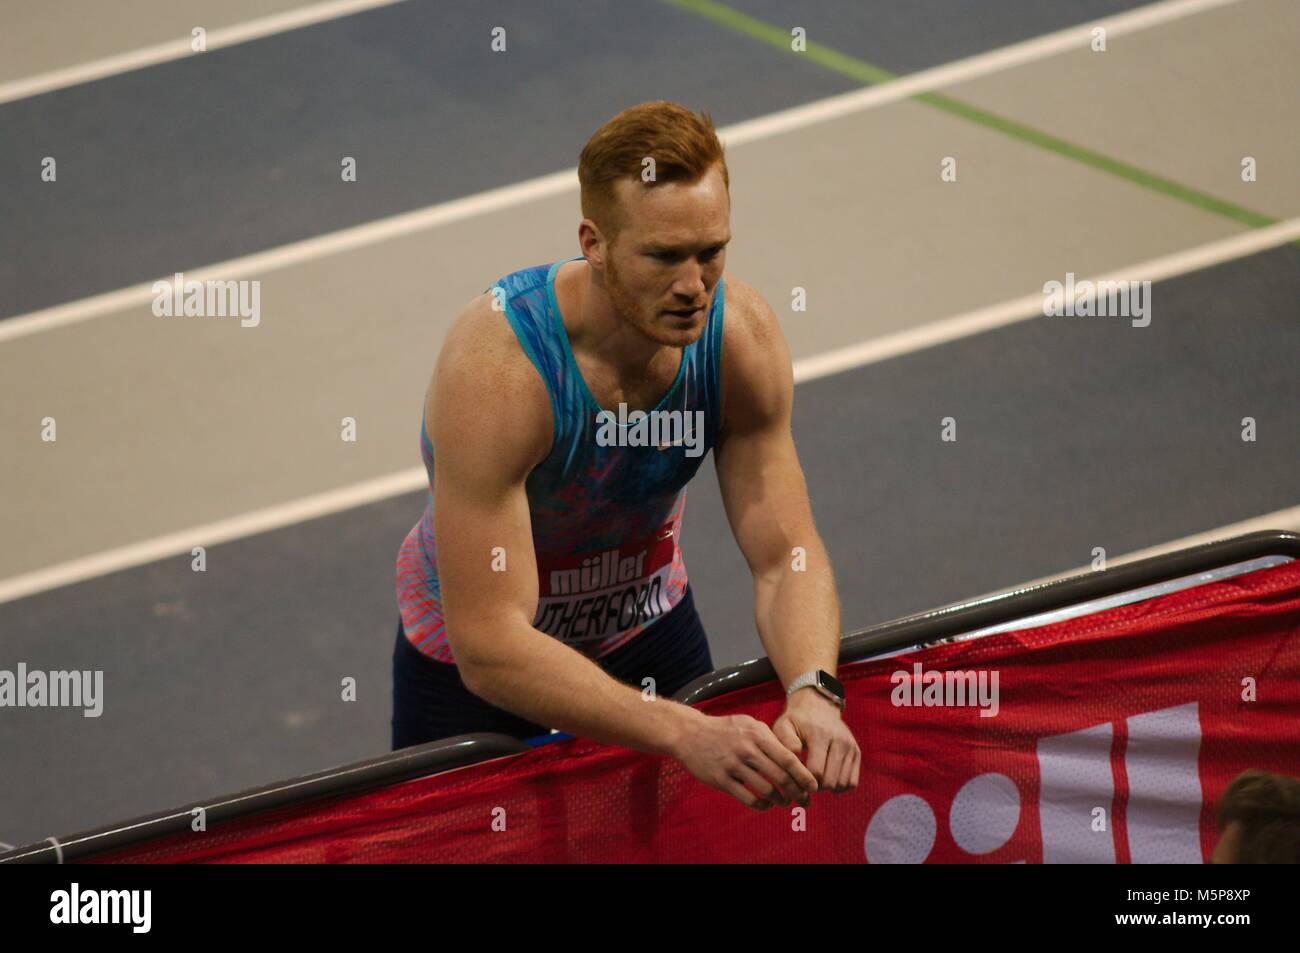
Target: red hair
683	144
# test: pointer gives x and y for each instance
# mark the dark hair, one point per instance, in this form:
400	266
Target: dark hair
1267	806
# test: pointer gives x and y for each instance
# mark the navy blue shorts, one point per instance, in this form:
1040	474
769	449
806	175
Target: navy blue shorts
431	702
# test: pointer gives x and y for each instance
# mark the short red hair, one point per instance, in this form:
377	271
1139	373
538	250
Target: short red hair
683	144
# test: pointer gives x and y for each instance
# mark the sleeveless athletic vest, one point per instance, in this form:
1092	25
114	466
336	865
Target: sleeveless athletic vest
606	503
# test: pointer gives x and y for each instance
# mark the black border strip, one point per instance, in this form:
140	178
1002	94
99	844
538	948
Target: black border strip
445	755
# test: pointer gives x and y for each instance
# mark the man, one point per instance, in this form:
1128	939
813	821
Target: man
1259	820
545	578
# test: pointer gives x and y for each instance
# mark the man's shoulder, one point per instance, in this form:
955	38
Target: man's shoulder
483	371
757	377
481	337
741	296
751	330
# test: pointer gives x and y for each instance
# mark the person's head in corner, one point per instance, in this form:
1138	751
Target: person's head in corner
1259	820
656	206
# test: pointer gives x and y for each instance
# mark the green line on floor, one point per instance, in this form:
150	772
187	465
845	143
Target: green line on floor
870	75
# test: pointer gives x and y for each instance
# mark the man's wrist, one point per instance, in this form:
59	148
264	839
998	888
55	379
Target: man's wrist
822	683
809	696
676	722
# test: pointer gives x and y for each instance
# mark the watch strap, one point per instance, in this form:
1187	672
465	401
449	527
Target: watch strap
820	680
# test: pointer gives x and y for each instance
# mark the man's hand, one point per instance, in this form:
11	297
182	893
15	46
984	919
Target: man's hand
811	722
742	757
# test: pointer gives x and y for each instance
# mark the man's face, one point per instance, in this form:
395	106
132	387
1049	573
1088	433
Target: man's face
664	265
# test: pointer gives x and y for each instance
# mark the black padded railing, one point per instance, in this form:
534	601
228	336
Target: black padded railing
414	762
939	624
921	629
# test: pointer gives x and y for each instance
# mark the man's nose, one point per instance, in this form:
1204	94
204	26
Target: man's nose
690	284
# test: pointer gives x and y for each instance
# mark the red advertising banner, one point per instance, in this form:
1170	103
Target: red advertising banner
1103	738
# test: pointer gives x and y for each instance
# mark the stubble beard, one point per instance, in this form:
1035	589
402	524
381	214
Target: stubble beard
631	310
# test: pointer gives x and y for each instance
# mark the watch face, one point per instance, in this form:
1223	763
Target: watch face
831	684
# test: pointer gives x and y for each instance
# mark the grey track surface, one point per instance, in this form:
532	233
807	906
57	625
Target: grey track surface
199	161
238	150
918	34
1072	433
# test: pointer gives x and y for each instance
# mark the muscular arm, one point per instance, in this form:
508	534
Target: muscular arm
766	498
490	422
795	603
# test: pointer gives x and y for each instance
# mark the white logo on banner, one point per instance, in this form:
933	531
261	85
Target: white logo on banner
1075	776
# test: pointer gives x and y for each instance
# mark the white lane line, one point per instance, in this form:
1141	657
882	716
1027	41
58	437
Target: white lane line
1031	306
1070	40
212	534
1288	519
412	479
259	263
558	183
180	48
